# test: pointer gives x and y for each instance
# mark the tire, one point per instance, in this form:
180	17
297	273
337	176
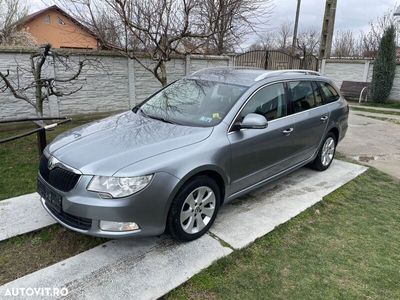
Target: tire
326	153
195	205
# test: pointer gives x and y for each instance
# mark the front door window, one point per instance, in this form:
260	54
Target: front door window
269	102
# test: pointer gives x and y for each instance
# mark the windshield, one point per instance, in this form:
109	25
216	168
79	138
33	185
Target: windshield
193	102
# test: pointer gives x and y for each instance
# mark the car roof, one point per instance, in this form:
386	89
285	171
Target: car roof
249	77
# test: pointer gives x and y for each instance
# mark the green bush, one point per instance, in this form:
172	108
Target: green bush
384	67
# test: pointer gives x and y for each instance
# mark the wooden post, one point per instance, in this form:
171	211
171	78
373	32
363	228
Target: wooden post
42	141
266	60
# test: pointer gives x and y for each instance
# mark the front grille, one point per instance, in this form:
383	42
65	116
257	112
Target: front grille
73	221
59	178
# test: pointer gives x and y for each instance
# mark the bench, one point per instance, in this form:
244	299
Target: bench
355	89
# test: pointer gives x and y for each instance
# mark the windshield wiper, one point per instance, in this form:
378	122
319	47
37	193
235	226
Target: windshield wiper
160	119
156	118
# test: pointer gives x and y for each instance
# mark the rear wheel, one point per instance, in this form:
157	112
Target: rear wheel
326	153
194	209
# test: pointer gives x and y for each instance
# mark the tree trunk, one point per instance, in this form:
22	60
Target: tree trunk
38	94
163	76
39	100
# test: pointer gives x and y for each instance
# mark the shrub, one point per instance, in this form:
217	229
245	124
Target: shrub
384	67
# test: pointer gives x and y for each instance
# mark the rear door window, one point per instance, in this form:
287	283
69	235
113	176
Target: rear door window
329	93
302	93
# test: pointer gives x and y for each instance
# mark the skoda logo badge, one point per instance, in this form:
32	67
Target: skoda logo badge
52	163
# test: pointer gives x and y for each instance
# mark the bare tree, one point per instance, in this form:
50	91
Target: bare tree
231	20
278	38
284	32
159	28
266	41
11	11
162	28
107	28
370	40
308	41
344	44
34	84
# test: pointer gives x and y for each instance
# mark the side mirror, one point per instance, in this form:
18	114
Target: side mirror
254	121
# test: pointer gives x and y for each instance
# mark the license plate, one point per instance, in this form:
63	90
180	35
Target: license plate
52	198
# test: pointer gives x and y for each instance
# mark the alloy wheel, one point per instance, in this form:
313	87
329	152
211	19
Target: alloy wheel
328	151
197	210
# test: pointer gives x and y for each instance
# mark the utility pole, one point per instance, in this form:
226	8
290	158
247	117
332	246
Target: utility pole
328	28
296	26
396	16
397	12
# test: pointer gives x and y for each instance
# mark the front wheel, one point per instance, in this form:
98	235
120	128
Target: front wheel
194	209
326	153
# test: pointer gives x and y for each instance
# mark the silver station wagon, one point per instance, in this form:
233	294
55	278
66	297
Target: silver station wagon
172	161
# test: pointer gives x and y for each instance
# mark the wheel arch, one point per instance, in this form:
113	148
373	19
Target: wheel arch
212	171
336	132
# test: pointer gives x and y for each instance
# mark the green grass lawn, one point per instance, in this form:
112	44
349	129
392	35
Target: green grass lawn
19	159
395	105
30	252
371	110
346	247
395	121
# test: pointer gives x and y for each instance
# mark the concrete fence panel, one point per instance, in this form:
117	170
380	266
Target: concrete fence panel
356	70
117	83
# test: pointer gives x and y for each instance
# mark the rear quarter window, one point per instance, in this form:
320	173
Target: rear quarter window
329	92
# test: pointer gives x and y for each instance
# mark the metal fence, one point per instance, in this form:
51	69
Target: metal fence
40	131
276	60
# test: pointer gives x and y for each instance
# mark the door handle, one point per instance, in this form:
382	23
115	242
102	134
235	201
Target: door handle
324	119
288	131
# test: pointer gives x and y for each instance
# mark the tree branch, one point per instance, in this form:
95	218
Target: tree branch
9	86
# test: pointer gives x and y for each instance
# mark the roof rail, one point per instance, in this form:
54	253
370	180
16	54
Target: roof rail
280	72
224	68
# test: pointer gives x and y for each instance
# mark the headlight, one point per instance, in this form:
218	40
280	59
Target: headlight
118	187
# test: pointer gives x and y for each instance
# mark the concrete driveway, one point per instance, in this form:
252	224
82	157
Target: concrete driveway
373	142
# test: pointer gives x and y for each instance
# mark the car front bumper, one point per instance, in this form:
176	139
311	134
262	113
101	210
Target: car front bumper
82	210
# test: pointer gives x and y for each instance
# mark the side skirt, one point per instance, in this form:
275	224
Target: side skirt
269	179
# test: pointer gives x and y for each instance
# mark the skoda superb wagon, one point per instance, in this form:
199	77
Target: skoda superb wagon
173	160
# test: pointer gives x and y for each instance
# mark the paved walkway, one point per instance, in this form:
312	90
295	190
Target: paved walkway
373	142
150	268
22	214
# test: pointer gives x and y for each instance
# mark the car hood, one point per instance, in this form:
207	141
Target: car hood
105	146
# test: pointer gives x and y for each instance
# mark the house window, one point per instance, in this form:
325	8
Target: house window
60	21
47	19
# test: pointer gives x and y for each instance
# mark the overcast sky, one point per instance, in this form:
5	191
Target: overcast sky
351	14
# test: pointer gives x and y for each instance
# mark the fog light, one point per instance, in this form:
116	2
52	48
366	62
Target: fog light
118	226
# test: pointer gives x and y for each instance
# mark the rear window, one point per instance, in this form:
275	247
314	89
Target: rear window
329	92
